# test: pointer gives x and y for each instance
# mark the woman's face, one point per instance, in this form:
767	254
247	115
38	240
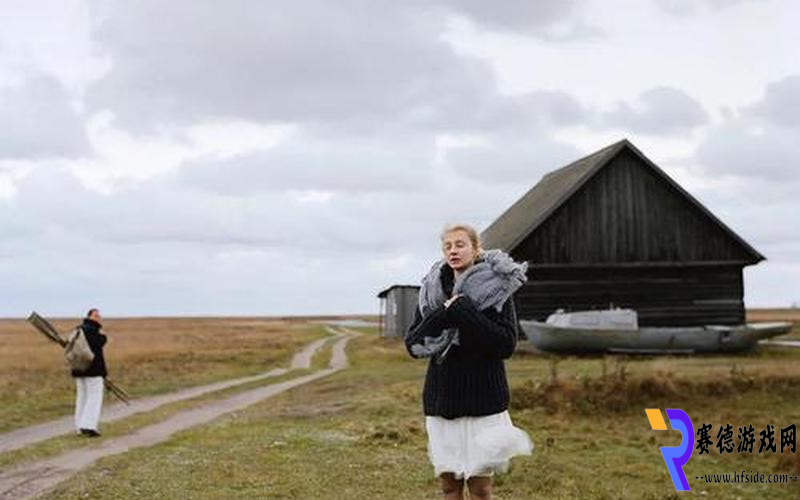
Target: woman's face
458	250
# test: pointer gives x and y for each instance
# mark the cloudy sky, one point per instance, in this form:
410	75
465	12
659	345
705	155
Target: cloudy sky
250	157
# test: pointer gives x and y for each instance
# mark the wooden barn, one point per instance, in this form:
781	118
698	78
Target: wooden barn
613	229
398	303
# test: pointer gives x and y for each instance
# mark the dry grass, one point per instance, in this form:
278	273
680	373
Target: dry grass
619	391
792	314
146	356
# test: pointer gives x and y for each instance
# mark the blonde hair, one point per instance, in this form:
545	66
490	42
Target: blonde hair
472	234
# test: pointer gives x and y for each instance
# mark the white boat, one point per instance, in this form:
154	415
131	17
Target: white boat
617	330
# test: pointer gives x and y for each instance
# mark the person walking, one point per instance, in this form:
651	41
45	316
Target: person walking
466	324
91	381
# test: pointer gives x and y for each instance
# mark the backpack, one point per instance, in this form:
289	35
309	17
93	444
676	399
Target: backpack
77	352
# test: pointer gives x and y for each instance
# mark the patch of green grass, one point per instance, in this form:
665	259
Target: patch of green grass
360	434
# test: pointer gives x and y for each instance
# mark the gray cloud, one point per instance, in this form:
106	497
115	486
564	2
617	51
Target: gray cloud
306	163
781	103
538	110
510	160
661	110
684	8
734	148
760	142
54	202
358	65
37	121
250	60
402	159
530	18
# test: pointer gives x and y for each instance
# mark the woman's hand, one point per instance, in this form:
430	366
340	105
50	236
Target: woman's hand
451	300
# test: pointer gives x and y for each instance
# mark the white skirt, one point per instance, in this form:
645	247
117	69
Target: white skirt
474	446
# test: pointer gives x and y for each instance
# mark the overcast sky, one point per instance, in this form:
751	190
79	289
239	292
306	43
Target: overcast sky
250	157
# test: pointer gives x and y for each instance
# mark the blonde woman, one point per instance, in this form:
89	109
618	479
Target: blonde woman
466	324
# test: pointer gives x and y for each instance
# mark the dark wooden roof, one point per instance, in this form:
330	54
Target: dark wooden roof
556	187
383	293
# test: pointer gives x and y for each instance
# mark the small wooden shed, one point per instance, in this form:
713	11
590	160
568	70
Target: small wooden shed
397	306
614	229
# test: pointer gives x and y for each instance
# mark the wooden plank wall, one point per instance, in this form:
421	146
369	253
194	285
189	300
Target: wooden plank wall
685	296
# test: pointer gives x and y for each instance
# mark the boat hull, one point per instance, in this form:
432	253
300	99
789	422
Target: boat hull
650	340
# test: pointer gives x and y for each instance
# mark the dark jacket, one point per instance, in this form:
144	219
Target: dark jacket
471	381
96	342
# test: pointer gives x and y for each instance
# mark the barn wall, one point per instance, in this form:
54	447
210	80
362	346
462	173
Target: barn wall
663	296
627	213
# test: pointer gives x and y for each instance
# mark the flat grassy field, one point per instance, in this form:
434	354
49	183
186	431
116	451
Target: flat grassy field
360	434
145	356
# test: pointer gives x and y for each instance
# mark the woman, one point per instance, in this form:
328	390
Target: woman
466	324
91	382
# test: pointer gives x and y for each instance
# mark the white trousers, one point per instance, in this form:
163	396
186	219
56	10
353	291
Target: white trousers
89	402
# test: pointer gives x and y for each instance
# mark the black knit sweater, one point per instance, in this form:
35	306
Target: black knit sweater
96	340
472	379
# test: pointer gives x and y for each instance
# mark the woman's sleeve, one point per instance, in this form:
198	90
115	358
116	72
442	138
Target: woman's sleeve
495	332
429	326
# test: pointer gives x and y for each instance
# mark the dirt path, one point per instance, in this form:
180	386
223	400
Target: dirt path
26	436
35	478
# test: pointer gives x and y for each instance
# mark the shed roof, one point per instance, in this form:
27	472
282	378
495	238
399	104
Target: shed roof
383	293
